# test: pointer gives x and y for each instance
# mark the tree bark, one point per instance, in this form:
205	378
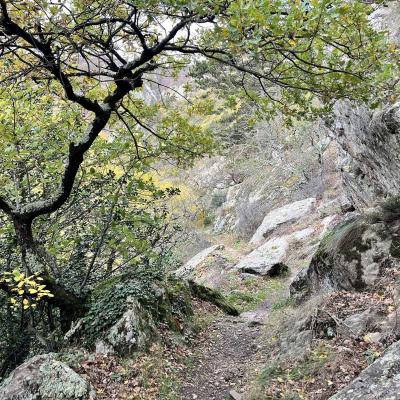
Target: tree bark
34	261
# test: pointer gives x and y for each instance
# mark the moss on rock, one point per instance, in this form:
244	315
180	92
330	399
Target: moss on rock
349	258
213	297
141	300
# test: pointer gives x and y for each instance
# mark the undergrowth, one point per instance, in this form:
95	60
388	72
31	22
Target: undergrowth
247	294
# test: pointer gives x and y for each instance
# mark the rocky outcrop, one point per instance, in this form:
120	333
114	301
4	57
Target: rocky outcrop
285	214
352	257
134	331
369	140
209	267
370	148
381	380
386	17
45	378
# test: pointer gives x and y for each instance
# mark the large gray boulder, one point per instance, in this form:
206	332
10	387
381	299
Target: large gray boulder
381	380
352	257
270	258
45	378
286	214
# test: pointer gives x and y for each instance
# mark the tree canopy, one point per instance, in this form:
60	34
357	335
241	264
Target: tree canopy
94	55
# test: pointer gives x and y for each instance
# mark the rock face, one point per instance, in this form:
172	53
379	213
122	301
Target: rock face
370	145
387	18
352	257
134	331
209	267
44	378
282	215
369	140
381	380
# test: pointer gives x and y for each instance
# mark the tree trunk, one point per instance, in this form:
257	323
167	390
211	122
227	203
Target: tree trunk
35	260
23	231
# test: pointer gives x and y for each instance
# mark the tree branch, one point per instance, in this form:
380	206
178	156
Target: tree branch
47	59
5	206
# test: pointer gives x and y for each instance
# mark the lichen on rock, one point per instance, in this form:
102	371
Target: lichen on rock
134	331
45	378
124	313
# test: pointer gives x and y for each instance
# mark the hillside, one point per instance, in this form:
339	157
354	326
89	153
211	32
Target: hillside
199	200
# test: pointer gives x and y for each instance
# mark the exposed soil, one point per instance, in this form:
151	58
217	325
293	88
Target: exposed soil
225	357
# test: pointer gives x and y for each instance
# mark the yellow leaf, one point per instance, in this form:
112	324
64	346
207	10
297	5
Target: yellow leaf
19	277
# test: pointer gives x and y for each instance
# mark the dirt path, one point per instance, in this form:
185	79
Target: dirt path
225	357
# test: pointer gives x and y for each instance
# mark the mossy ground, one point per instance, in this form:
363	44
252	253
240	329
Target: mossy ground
247	294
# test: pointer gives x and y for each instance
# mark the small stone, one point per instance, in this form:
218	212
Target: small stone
235	395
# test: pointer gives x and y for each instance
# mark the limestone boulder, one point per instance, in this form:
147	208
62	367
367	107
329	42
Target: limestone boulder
45	378
271	258
283	215
267	259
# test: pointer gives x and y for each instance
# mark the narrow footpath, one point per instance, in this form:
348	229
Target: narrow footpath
226	356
